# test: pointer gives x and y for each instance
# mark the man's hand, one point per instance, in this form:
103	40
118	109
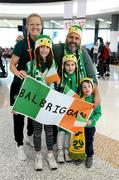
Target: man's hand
96	101
20	38
96	97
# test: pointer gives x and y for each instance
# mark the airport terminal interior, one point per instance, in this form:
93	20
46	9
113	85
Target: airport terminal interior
106	144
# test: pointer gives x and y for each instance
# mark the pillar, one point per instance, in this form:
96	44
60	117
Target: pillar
114	34
96	31
24	27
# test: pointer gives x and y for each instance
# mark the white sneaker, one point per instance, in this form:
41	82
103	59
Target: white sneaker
38	163
21	154
60	156
51	161
29	140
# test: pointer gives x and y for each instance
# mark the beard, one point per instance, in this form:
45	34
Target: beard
73	47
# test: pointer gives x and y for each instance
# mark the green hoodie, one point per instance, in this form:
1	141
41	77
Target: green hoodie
96	113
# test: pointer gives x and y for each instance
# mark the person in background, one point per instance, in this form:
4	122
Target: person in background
1	63
100	57
69	77
95	52
107	61
38	69
22	53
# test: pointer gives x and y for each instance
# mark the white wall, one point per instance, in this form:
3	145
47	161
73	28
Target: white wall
8	37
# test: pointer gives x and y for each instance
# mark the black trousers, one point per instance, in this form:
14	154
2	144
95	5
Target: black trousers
89	138
19	128
100	66
19	119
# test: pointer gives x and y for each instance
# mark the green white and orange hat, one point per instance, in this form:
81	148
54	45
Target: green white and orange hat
75	29
43	40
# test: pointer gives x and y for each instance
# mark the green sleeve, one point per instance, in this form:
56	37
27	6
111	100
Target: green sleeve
90	71
96	114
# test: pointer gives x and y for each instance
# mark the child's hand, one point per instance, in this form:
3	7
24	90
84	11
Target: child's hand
89	122
58	82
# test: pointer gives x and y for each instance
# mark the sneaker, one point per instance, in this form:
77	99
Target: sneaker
29	140
89	162
38	163
78	162
51	161
21	154
67	157
60	156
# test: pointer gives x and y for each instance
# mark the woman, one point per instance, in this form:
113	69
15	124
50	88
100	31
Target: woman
22	53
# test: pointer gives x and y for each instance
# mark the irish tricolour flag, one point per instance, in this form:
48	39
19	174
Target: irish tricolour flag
70	92
52	75
47	106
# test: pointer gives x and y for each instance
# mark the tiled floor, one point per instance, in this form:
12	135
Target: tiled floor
106	141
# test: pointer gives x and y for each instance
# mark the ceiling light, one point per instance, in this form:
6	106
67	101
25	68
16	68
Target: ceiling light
99	19
108	22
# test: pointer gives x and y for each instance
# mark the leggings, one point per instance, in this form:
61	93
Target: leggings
37	136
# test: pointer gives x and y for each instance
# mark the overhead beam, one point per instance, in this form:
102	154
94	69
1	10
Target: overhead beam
30	1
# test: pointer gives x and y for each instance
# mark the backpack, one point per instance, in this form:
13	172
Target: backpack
105	54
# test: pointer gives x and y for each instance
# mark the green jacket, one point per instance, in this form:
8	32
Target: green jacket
96	113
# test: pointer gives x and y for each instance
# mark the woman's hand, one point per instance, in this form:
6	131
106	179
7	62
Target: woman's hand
13	112
21	74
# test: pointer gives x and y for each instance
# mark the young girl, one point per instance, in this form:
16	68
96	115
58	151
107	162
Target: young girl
87	94
68	77
39	69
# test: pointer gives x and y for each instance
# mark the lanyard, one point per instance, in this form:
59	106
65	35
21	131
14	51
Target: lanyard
29	48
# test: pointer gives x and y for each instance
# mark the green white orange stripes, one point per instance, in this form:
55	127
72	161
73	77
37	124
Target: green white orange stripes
70	92
48	106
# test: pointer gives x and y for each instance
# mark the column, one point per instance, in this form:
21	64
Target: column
114	34
24	27
81	13
96	31
68	13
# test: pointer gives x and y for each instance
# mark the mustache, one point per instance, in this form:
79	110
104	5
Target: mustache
72	43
